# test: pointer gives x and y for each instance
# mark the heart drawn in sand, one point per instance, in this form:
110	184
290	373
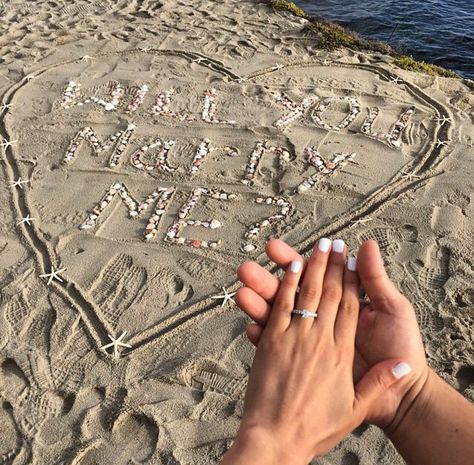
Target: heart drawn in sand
153	174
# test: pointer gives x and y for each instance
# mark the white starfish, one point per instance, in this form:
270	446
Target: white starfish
86	58
5	106
199	60
277	67
27	220
226	296
443	120
396	80
18	183
360	221
410	176
7	143
440	143
54	274
144	49
116	343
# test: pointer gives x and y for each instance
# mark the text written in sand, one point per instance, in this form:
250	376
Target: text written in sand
121	148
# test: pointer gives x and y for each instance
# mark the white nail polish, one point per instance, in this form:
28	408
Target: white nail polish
338	246
295	266
401	369
352	263
324	244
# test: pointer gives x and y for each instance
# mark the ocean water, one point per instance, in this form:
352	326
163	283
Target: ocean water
438	31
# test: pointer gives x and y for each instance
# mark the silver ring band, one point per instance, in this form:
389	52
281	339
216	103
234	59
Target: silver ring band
305	313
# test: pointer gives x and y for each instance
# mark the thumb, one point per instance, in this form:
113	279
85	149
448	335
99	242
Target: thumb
376	381
373	277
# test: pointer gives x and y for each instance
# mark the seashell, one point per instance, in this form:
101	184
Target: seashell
249	248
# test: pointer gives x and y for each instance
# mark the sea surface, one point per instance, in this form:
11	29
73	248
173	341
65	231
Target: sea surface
440	32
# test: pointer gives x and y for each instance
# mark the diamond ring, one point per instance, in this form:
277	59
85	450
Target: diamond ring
305	313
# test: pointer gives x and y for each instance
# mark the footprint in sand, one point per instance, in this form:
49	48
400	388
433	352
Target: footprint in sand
133	439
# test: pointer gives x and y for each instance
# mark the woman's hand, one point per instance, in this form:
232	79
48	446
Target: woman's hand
387	327
301	399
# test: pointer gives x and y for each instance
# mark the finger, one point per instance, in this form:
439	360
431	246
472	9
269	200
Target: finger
254	305
332	290
312	284
284	302
281	253
259	279
254	331
376	382
380	289
348	313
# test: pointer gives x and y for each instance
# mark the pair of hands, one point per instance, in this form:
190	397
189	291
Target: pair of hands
315	380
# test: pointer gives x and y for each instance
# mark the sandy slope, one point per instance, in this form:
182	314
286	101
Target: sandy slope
224	112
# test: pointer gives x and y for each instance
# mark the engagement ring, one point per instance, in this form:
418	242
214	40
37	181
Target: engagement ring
305	313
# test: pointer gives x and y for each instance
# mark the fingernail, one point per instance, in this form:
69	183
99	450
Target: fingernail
295	266
338	246
324	244
401	369
352	263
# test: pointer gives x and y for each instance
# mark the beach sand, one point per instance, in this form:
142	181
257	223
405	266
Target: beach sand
128	122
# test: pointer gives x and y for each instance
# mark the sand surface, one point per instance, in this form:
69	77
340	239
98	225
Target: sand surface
160	144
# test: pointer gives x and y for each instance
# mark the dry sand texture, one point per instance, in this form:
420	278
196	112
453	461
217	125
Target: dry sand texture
159	144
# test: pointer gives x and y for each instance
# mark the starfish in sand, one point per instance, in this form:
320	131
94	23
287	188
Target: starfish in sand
360	221
199	60
116	343
410	176
225	297
5	106
396	80
7	143
144	49
277	67
86	58
440	143
442	120
26	220
19	183
54	274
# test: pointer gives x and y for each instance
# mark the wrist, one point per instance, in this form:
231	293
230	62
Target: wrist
415	406
257	447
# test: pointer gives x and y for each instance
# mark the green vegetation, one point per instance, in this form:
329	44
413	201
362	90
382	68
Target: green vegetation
333	36
410	64
289	6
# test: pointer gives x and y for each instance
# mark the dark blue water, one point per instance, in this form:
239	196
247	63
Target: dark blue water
440	32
